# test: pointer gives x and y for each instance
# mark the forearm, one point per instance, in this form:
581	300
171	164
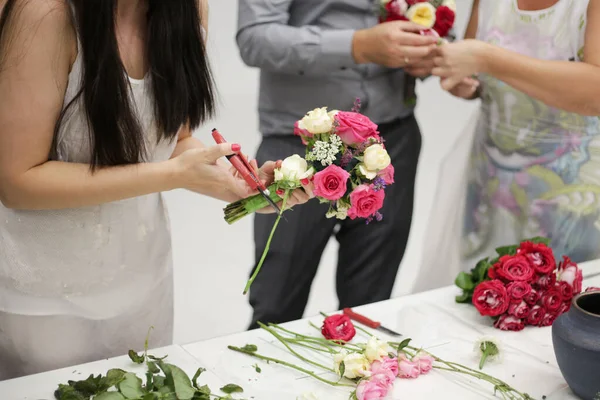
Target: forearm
571	86
61	185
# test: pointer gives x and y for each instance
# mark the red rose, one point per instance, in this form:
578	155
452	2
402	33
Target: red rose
518	290
490	298
413	2
330	183
492	272
394	12
338	327
548	319
565	290
509	323
543	282
444	20
551	300
514	268
564	307
354	128
533	297
519	310
365	202
539	255
536	314
569	272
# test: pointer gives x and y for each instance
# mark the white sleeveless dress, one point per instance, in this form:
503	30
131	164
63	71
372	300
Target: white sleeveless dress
84	284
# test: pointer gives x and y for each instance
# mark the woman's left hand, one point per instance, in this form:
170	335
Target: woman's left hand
456	61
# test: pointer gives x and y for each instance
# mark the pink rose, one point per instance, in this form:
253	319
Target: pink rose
519	310
518	290
387	174
330	183
425	362
387	366
371	390
509	323
355	128
365	201
570	273
407	368
536	315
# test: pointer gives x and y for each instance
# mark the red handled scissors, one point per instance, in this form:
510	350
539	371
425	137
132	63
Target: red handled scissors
241	164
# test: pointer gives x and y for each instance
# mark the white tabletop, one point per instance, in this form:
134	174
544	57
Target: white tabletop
432	319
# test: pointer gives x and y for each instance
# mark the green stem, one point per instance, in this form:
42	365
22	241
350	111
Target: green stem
320	341
289	365
484	357
266	250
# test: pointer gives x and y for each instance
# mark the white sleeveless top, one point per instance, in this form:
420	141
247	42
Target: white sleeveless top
95	261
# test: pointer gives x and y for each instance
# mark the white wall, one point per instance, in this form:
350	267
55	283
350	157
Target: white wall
212	259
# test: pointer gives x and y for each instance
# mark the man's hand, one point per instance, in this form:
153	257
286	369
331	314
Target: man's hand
396	44
421	68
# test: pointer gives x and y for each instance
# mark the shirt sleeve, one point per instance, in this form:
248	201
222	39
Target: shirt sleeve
265	40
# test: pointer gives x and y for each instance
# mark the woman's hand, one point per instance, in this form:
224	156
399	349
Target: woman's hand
467	89
456	61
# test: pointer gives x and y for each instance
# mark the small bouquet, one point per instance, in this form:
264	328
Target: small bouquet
346	161
436	16
523	286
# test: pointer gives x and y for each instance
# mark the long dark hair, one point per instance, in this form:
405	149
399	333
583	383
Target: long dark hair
182	84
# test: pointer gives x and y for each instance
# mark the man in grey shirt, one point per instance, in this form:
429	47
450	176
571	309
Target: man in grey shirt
314	53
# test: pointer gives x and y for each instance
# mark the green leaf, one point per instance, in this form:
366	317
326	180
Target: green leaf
204	389
135	357
196	376
67	392
480	271
342	369
507	250
176	378
131	387
113	377
257	368
89	387
201	396
252	348
151	396
463	298
167	393
152	367
539	240
109	396
159	382
403	344
231	388
464	281
157	358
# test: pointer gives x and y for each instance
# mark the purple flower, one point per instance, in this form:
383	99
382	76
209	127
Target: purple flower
356	107
378	184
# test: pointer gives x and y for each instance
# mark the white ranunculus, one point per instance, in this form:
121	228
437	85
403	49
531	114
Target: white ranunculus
376	158
317	121
293	169
356	365
376	349
422	14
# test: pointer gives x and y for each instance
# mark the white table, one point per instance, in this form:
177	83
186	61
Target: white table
432	319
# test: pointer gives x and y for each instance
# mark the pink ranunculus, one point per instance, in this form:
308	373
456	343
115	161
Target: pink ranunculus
407	368
354	128
387	366
569	272
425	361
387	174
331	183
371	390
365	201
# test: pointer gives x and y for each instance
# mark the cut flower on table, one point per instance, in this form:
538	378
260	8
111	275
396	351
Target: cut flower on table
346	162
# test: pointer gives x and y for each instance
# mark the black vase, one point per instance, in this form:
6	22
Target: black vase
576	339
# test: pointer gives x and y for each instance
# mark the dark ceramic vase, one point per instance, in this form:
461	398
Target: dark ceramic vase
576	339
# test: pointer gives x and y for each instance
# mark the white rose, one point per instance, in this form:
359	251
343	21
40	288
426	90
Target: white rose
376	158
356	365
451	4
367	173
293	169
422	14
376	349
317	121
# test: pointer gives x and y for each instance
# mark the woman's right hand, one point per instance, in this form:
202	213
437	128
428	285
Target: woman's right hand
467	89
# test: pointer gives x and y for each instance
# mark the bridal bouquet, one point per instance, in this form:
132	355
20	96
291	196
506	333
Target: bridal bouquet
523	286
368	369
345	160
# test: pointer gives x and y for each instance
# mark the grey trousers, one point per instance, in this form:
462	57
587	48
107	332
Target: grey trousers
369	255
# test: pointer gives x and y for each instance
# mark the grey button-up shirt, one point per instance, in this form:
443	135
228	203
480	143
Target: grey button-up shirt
304	51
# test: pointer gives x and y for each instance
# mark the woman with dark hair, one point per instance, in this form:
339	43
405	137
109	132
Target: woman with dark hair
536	156
99	99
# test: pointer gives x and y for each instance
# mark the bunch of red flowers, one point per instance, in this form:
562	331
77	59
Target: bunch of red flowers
528	288
436	16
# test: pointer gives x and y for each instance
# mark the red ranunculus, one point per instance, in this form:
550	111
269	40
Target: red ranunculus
519	310
536	314
444	20
490	298
514	268
548	319
518	290
543	282
551	300
565	290
338	327
539	255
509	323
533	297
